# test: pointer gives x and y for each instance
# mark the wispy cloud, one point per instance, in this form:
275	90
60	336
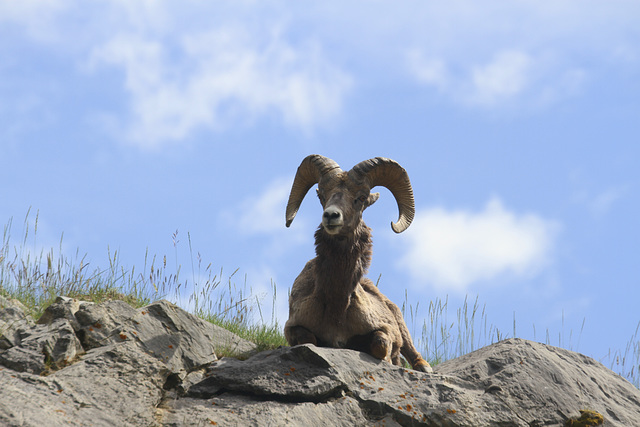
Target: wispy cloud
220	78
215	66
38	18
428	71
454	250
601	203
263	213
505	76
525	54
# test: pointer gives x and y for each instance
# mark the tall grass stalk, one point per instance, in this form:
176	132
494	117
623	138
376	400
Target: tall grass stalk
442	338
36	277
627	362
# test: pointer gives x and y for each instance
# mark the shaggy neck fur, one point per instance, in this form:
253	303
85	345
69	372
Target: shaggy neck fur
340	264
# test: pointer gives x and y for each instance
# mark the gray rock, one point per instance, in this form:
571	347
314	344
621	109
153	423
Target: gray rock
157	366
230	343
6	302
321	376
164	330
240	410
111	385
43	347
135	359
13	322
295	374
180	340
23	359
102	324
35	348
515	383
63	308
545	384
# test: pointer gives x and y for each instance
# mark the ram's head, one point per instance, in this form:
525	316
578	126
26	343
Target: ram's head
344	195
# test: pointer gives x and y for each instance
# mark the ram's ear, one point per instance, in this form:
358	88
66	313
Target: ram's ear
373	197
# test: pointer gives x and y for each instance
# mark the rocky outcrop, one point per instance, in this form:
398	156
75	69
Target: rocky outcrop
100	364
109	364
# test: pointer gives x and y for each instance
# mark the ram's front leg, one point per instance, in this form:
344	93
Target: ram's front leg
381	345
299	335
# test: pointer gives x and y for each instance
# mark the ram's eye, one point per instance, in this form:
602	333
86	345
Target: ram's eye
361	199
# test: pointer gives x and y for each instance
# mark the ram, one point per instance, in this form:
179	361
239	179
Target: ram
332	303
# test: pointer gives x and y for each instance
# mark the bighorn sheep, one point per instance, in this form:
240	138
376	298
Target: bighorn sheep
332	304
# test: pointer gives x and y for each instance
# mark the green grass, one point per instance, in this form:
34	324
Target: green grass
37	278
442	339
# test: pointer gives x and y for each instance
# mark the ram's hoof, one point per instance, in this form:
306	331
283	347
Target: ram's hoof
380	348
299	335
422	366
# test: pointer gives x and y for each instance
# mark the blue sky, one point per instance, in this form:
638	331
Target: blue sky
518	123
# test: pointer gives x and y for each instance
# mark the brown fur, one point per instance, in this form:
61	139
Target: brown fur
332	304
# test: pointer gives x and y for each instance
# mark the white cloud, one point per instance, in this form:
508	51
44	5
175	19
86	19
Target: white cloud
212	65
604	201
37	17
600	204
495	54
210	79
277	248
265	59
453	250
428	71
264	213
597	202
506	76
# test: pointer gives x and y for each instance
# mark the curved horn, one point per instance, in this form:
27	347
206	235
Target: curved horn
309	172
389	174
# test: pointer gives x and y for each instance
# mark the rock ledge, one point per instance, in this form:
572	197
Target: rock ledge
109	364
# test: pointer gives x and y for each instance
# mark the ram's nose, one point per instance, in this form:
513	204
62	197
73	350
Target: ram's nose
332	219
332	214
